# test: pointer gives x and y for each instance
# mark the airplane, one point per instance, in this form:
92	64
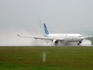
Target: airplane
62	38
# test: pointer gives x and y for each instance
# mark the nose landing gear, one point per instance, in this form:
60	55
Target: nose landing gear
79	42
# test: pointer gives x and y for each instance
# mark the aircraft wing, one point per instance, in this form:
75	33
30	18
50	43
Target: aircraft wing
88	37
43	38
49	38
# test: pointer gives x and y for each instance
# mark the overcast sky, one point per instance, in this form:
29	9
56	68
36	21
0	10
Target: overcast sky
59	15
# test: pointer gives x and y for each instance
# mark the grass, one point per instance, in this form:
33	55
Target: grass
57	58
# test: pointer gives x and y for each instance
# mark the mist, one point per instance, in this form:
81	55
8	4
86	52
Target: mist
10	38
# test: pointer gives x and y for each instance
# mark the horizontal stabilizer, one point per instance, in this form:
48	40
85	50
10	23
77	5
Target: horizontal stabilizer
88	37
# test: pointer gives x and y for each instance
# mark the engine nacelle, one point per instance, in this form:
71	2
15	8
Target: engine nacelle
55	42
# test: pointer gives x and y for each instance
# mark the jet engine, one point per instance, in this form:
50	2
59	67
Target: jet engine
55	42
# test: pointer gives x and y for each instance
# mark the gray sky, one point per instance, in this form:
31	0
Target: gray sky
59	15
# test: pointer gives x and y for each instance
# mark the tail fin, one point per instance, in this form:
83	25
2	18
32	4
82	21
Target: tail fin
46	29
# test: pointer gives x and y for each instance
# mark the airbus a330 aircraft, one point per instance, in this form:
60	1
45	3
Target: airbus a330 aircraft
56	38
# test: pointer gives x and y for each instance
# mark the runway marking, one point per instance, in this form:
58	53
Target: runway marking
44	57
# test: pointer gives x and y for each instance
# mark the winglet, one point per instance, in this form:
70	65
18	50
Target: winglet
46	29
18	35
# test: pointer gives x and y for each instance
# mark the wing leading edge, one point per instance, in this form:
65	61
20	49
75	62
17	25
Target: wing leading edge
42	38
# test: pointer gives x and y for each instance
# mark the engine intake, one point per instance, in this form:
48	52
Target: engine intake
55	42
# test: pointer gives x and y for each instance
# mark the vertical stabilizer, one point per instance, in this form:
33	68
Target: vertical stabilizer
46	30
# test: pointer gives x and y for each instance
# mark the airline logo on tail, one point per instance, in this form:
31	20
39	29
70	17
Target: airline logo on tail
46	30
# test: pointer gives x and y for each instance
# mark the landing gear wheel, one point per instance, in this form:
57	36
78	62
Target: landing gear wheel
79	42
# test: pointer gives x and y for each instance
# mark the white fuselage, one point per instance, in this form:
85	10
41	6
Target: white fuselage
68	37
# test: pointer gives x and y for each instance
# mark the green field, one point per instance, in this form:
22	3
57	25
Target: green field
57	58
